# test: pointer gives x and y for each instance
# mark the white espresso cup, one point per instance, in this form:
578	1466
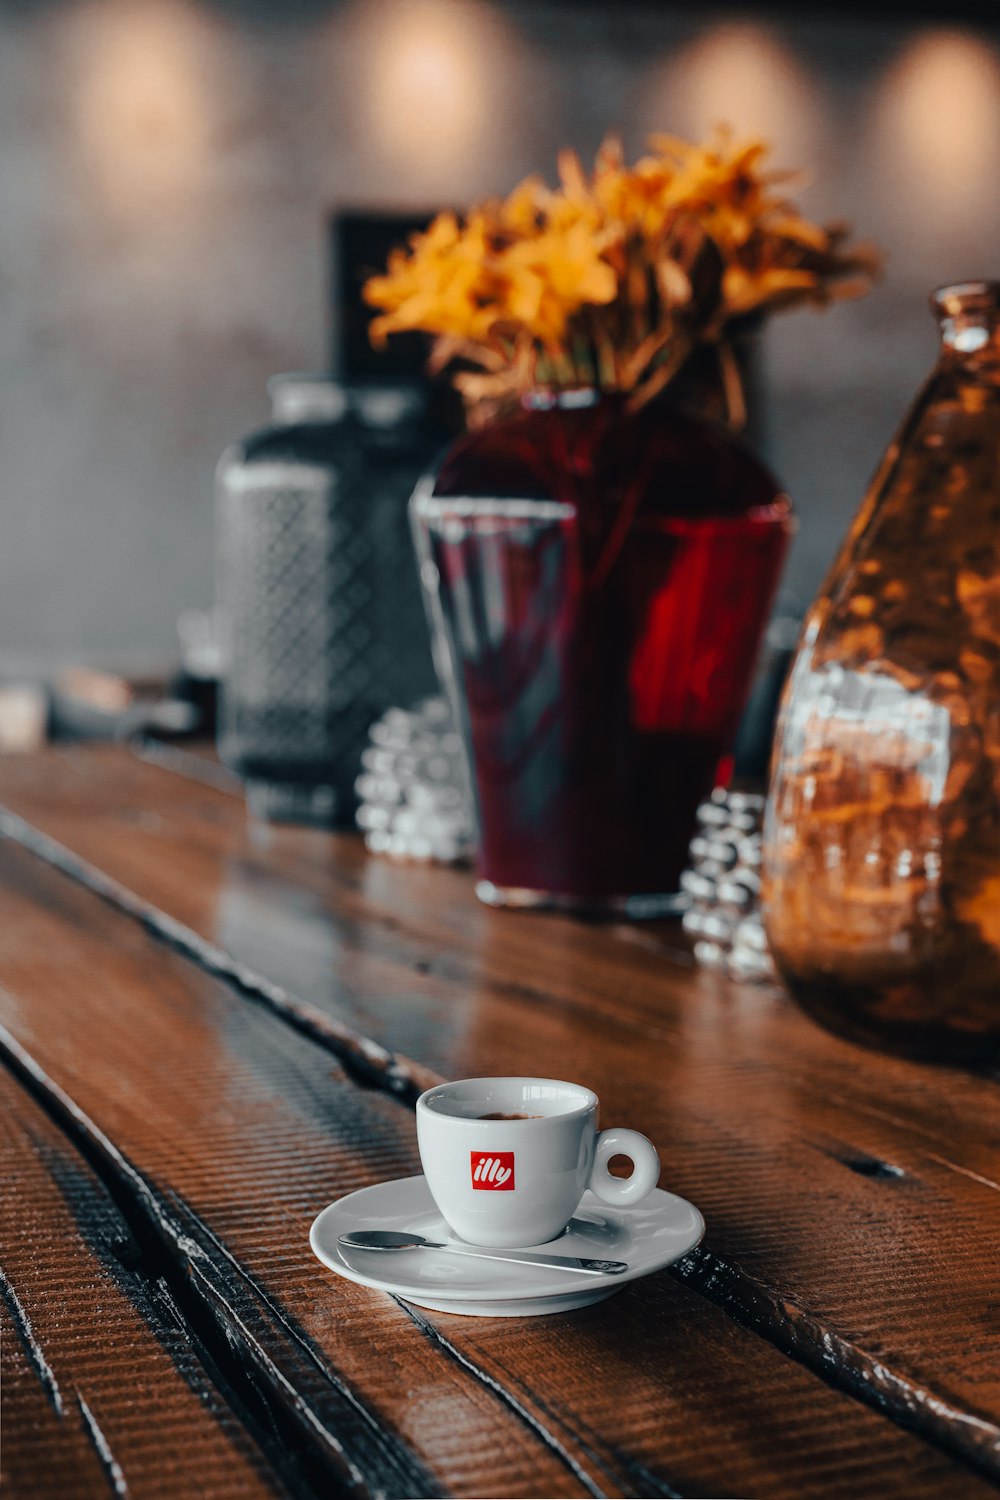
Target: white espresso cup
518	1181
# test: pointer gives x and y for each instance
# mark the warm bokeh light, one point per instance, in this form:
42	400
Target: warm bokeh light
937	127
429	65
743	74
142	98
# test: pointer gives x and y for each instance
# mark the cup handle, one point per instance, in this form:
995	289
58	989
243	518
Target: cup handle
624	1192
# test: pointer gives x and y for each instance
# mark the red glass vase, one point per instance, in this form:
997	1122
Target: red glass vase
599	580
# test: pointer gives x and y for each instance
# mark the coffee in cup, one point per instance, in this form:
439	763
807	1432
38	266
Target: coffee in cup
507	1160
497	1115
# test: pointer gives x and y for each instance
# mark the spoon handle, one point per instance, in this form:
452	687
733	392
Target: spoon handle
392	1241
532	1258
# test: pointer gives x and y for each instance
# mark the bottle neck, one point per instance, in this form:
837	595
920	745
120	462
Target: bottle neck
969	317
386	407
298	400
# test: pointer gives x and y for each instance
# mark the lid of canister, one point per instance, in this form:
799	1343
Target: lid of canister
297	398
386	405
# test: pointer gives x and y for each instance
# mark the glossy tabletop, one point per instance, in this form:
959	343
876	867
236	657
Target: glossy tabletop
211	1029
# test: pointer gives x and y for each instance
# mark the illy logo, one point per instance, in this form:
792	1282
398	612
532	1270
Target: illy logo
493	1171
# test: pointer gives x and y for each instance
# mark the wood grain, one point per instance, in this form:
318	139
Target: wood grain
223	1131
93	1344
847	1194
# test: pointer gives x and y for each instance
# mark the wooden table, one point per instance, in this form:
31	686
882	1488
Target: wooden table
209	1030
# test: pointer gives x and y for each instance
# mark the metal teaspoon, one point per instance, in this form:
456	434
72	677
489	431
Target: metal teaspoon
390	1239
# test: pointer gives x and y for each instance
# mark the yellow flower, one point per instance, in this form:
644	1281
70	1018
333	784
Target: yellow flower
554	274
744	291
637	200
522	211
615	276
444	286
790	227
724	186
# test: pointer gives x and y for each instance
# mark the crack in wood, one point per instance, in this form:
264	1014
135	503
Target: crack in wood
278	1313
145	1287
308	1452
102	1447
872	1166
31	1346
907	1127
506	1396
648	1484
953	1166
861	1163
827	1354
841	1363
367	1062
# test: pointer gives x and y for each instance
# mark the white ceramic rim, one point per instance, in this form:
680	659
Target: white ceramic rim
589	1101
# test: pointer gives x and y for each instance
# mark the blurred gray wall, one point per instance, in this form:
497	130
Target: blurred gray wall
166	167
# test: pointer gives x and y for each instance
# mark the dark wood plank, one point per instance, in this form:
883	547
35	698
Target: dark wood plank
223	1133
94	1344
231	1130
852	1200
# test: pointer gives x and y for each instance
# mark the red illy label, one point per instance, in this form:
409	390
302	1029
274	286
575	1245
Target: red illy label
493	1171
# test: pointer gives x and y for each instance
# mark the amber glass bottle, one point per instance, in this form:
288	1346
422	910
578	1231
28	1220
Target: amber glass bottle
882	845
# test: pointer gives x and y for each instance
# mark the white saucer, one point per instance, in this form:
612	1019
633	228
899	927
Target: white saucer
659	1231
